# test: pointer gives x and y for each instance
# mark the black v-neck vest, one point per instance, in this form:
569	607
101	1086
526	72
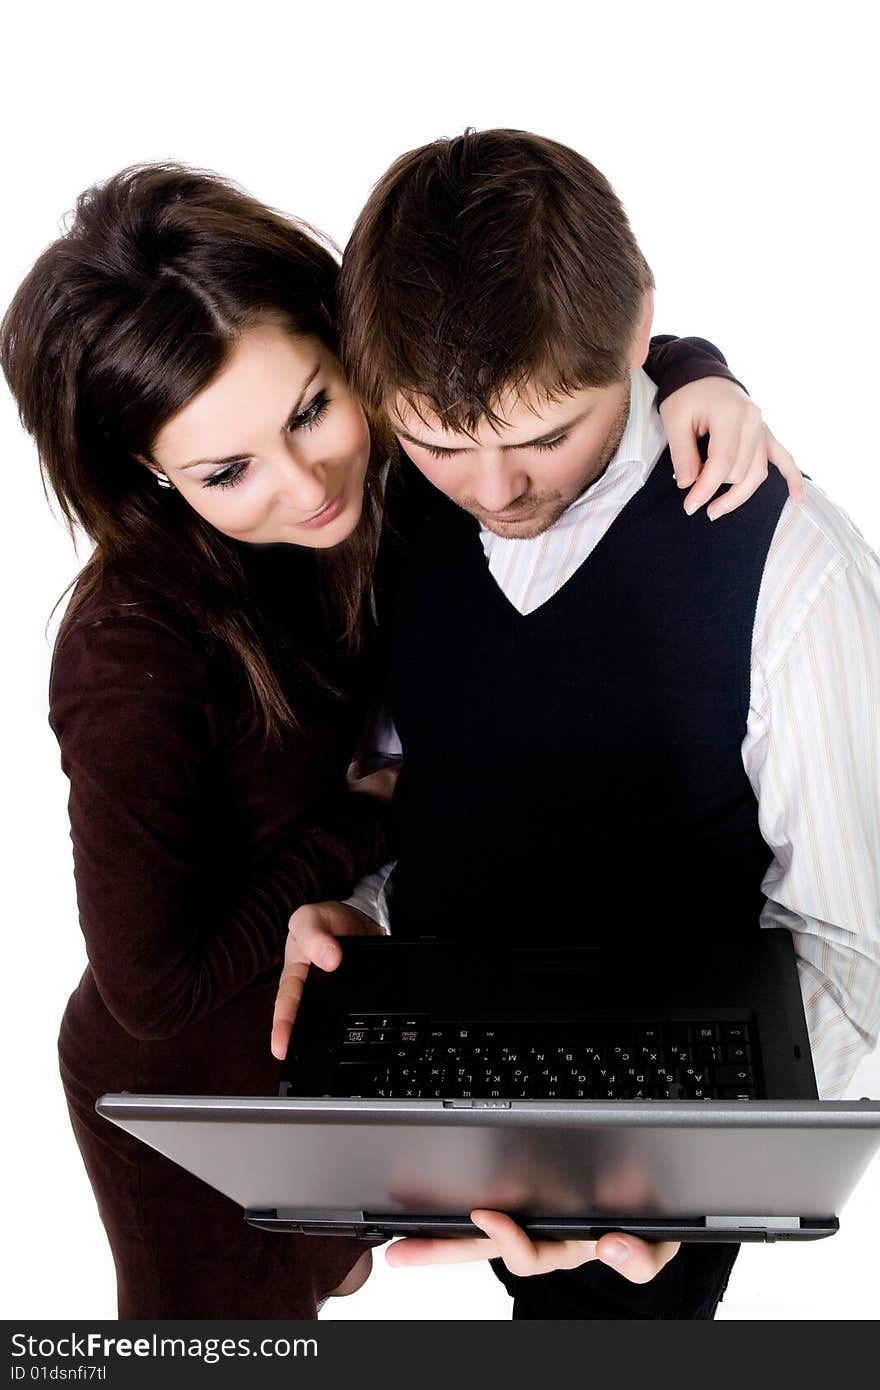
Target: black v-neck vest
579	768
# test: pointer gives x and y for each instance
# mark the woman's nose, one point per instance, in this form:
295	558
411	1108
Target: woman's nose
304	482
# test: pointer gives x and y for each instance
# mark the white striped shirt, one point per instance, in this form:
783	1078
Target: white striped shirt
812	744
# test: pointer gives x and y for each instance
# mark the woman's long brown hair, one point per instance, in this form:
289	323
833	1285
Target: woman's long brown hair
121	321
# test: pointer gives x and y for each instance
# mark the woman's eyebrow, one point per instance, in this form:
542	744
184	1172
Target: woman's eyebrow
240	458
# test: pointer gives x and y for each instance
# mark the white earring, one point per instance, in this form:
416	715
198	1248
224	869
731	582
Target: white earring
163	480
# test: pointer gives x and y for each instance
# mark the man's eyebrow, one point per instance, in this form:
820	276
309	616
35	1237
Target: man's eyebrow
527	444
240	458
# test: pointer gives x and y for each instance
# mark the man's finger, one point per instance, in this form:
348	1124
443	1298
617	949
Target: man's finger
637	1260
414	1250
525	1257
516	1248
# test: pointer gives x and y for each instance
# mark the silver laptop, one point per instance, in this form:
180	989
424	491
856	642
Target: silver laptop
427	1079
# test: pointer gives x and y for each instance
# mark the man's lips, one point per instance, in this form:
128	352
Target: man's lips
509	517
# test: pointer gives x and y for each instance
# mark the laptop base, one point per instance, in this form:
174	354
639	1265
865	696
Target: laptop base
363	1226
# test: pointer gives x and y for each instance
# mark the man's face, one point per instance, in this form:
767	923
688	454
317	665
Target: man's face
519	477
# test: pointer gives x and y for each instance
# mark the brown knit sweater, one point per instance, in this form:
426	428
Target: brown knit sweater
193	843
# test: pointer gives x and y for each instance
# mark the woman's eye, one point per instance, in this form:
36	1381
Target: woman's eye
307	419
228	477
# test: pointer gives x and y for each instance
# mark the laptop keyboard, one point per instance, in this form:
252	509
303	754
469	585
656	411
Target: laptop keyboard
415	1057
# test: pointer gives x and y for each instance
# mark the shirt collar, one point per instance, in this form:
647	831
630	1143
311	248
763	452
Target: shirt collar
641	444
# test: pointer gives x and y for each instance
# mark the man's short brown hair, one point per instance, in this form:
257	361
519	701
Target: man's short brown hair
485	263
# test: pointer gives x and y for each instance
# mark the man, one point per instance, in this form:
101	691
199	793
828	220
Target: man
611	712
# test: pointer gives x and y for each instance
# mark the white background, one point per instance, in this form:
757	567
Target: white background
742	140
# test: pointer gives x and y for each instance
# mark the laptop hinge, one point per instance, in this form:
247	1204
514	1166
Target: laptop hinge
741	1223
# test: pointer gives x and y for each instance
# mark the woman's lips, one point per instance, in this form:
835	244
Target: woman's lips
328	513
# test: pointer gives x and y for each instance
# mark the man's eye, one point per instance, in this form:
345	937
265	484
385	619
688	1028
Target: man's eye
441	453
542	448
552	444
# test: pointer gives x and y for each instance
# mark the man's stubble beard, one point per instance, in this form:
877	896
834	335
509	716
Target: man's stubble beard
609	449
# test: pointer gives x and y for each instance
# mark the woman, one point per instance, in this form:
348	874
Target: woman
174	357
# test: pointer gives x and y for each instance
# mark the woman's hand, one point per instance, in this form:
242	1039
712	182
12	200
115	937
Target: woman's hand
740	445
311	940
380	784
635	1259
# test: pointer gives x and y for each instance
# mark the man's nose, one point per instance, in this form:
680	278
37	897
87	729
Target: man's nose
497	486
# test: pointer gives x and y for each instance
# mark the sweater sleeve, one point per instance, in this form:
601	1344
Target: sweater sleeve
673	362
129	707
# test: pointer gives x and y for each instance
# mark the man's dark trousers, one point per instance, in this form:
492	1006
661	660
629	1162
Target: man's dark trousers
689	1286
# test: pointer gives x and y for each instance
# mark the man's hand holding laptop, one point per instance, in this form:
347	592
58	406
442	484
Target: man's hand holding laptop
312	940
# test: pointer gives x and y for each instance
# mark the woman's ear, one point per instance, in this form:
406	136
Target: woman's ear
642	340
161	478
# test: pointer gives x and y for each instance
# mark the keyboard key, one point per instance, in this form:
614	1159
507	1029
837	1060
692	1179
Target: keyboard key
366	1052
732	1076
358	1081
734	1032
652	1056
677	1056
677	1034
662	1076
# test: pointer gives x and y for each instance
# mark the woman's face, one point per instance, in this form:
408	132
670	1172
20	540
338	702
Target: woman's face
275	448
